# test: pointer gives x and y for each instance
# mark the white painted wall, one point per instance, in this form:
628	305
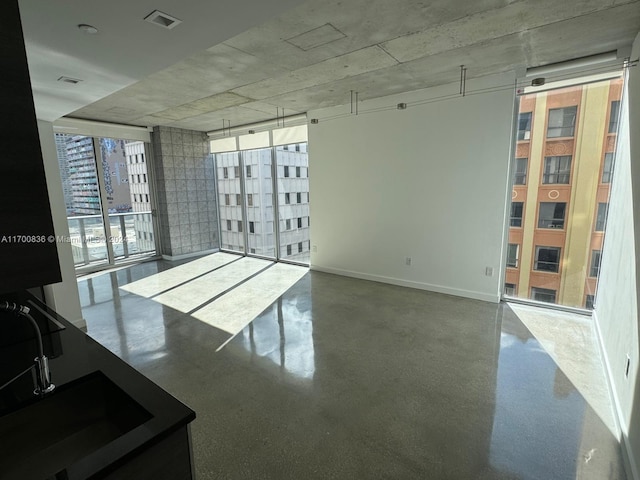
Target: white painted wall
429	182
616	310
62	297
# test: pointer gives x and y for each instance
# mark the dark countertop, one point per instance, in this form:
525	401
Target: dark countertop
73	355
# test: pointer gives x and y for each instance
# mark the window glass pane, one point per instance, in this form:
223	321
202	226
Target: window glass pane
601	217
613	116
516	214
562	122
551	215
607	168
559	199
547	259
293	203
543	294
510	289
259	189
230	215
594	270
512	255
557	169
524	126
520	177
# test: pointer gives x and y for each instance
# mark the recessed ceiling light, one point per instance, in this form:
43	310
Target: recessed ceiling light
162	19
89	29
72	81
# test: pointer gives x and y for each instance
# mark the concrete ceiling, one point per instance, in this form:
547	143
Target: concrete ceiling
312	55
126	49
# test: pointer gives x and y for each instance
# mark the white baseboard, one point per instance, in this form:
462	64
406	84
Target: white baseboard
627	454
411	284
190	255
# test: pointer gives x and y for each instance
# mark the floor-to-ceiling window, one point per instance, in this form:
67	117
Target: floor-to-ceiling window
263	198
107	197
564	156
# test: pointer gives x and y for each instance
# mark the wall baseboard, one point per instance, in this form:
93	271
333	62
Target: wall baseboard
627	454
189	255
486	297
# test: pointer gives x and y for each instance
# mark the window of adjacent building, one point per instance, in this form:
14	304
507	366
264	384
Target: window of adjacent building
298	174
236	172
562	122
607	168
588	304
286	171
524	126
601	217
543	294
594	269
229	225
287	224
510	289
547	259
557	169
238	199
287	198
240	226
227	199
252	228
299	247
613	116
225	172
520	176
248	171
299	197
289	249
516	214
551	214
512	255
253	250
250	199
300	222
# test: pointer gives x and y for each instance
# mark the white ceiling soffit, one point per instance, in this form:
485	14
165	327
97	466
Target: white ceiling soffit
312	56
126	48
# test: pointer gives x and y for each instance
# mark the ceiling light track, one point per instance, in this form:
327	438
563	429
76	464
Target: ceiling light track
573	64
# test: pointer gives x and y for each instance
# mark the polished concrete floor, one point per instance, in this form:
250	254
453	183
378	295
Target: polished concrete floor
341	378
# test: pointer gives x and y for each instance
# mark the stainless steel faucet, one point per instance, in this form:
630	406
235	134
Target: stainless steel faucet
42	374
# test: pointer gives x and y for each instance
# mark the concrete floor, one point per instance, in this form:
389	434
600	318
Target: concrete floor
349	379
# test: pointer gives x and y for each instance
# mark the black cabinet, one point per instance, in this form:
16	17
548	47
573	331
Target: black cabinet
28	254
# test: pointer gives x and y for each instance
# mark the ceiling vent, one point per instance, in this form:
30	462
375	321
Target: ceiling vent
72	81
162	19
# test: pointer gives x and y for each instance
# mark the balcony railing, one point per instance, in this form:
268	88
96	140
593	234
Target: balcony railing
131	235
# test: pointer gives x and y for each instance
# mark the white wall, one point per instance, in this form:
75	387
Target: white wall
616	310
62	297
429	182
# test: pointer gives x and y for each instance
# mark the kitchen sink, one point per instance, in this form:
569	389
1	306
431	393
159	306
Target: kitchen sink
42	439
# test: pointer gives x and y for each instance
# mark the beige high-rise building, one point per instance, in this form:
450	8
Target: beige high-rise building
564	160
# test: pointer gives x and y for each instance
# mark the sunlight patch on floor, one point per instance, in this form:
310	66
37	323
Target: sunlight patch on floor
193	294
237	308
570	340
160	282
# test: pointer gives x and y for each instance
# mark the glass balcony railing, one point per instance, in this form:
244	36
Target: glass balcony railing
131	234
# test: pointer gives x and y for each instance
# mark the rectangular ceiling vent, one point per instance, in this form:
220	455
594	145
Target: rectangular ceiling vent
162	19
72	81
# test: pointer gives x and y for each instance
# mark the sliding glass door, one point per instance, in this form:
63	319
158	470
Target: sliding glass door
107	197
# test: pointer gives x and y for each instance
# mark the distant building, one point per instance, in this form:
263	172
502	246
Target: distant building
564	160
139	195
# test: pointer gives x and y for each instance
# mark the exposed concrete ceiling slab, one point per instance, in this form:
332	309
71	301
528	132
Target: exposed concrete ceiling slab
311	56
126	48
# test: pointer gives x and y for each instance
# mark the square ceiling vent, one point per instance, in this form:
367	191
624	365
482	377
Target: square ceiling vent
162	19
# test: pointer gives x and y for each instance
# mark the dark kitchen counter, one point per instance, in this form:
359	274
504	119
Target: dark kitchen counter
147	418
